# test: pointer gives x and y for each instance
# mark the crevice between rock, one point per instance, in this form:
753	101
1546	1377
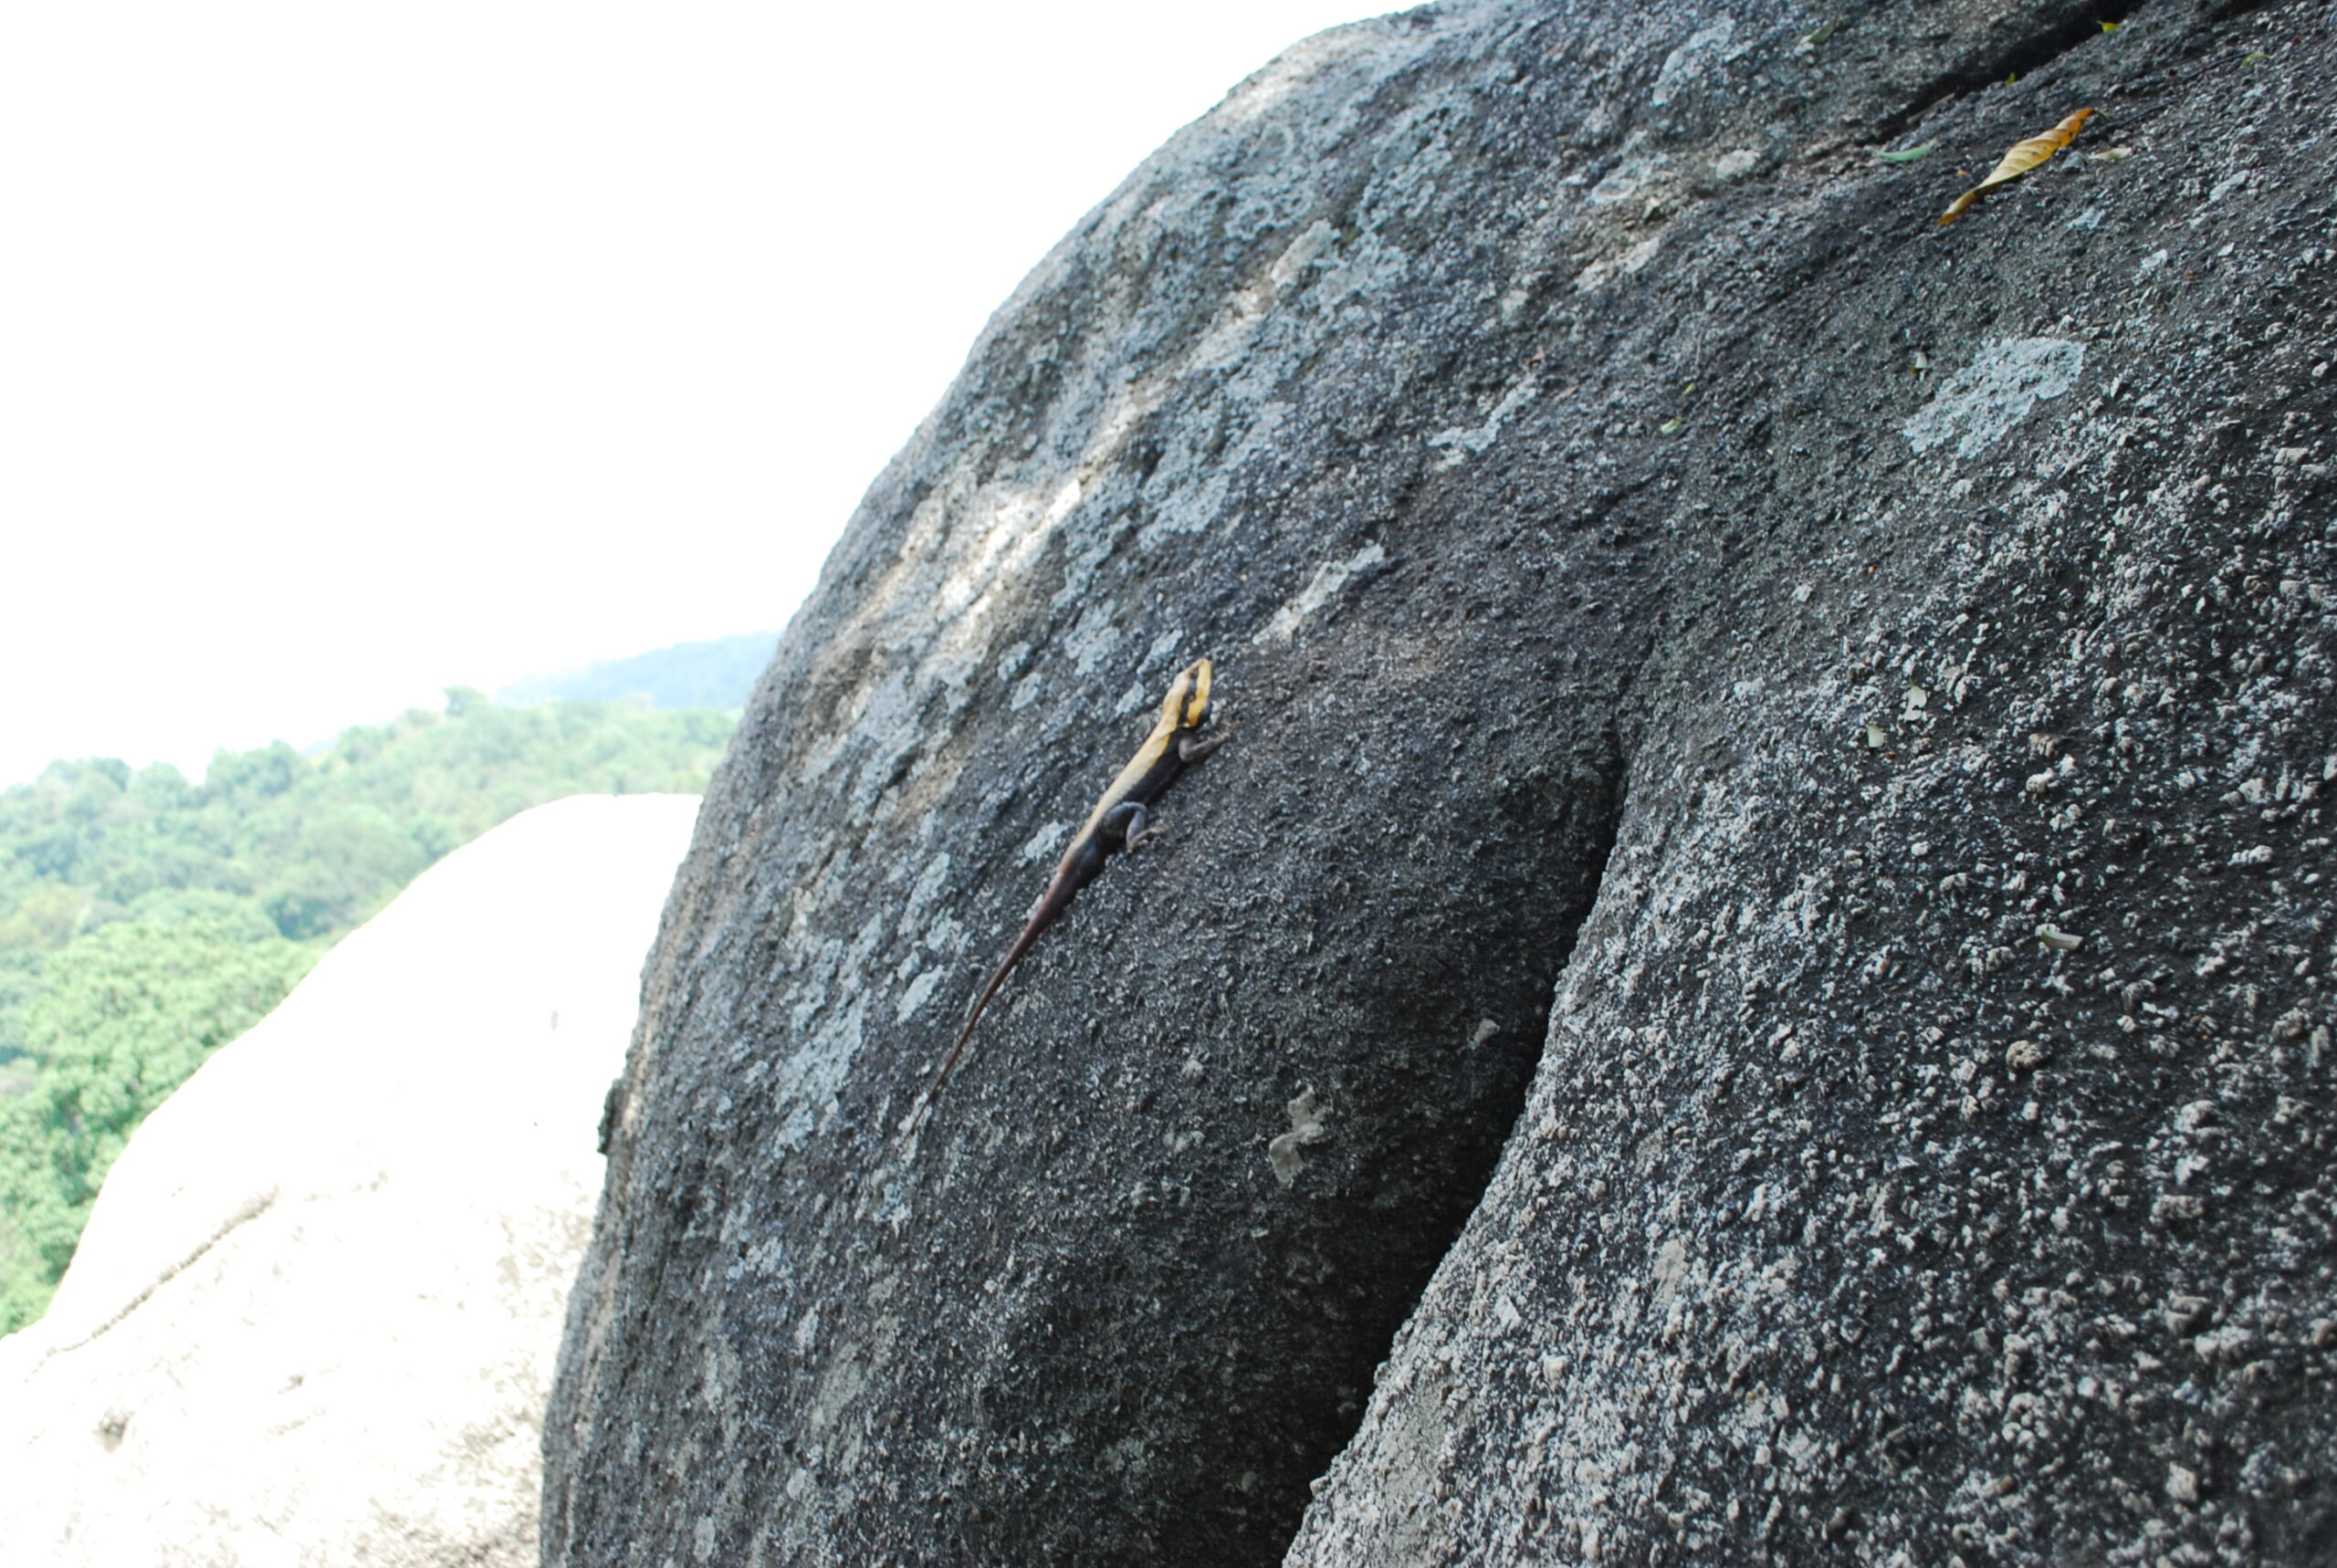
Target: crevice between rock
2020	57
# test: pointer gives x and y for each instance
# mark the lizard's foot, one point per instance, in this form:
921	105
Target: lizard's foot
1125	823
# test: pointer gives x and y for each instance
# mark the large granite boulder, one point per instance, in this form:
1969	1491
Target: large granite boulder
313	1318
1765	908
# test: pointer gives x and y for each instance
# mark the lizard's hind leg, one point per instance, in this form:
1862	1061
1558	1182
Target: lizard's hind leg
1126	823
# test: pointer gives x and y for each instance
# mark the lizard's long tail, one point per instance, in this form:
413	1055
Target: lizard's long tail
998	977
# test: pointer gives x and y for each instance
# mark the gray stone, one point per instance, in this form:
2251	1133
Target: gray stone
1773	847
314	1315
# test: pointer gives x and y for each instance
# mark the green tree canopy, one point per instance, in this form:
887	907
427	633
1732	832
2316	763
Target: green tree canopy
145	920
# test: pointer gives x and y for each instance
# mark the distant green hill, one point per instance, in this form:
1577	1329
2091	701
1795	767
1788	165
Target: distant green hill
145	920
719	673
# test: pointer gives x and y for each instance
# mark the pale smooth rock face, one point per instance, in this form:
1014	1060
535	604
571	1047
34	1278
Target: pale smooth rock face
1750	986
313	1318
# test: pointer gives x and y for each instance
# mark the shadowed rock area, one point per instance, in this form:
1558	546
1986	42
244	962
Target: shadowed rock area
1824	714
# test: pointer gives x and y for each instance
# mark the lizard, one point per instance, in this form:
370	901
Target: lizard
1121	820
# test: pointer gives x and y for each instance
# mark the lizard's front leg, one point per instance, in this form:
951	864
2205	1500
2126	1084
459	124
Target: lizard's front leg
1192	747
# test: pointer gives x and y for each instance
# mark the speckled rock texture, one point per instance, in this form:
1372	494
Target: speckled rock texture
1756	950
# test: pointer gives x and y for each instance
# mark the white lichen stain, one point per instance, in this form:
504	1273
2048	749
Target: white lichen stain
915	997
1041	844
1328	578
1981	404
805	1083
1162	647
1671	1267
809	1078
1461	440
1197	484
933	876
1306	1127
1626	262
1706	50
1096	634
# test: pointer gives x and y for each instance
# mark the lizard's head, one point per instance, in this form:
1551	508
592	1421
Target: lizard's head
1187	703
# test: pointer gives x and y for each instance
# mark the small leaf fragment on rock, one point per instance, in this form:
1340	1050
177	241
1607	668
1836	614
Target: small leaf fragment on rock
1907	154
2023	156
2052	939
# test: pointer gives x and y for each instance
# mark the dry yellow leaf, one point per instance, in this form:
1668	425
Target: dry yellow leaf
2023	156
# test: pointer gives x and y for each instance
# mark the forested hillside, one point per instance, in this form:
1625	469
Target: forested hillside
719	673
146	920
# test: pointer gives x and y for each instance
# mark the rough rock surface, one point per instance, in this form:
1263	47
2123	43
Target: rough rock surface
313	1318
1837	706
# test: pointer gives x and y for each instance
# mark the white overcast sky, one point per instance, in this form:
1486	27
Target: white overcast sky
351	351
